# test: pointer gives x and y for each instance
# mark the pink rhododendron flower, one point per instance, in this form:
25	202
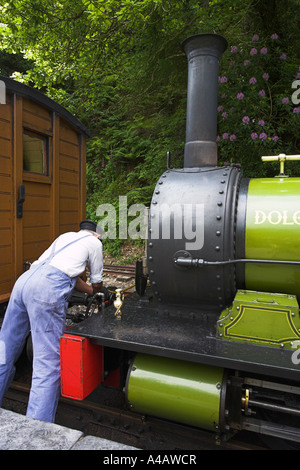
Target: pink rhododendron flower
263	136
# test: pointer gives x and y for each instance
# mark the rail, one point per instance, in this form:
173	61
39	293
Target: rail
119	269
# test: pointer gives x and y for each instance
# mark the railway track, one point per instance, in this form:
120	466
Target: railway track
119	424
128	270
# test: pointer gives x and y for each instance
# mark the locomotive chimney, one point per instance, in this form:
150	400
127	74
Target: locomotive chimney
203	52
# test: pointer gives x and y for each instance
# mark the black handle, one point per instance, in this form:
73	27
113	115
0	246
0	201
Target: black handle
20	201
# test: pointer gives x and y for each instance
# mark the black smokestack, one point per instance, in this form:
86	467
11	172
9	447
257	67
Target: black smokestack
203	52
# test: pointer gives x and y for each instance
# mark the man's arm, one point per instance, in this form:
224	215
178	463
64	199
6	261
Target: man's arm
82	286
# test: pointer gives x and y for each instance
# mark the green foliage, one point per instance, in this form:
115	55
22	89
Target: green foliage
257	115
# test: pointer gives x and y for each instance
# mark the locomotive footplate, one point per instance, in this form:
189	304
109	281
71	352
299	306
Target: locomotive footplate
188	335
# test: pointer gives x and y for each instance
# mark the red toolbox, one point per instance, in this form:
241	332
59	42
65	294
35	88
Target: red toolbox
81	365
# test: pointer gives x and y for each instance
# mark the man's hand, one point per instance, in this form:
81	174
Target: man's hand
97	287
82	286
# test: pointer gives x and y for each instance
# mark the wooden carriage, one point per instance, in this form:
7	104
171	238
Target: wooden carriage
42	177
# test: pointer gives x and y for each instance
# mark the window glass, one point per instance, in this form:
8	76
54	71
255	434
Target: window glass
34	152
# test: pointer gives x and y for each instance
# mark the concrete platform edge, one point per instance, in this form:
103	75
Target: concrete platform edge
18	432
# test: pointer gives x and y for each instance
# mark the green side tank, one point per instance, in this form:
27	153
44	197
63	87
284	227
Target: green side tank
181	391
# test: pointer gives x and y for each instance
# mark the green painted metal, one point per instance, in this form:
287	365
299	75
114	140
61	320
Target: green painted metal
261	318
273	233
181	391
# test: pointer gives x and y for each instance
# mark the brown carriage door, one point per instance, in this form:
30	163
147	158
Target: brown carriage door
6	199
42	183
37	180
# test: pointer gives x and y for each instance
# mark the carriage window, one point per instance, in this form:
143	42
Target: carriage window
35	152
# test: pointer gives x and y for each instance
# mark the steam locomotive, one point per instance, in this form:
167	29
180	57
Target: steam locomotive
211	337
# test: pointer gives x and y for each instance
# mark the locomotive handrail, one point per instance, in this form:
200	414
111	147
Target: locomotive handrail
281	158
198	263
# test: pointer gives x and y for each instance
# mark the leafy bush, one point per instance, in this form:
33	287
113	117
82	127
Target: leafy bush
256	113
119	68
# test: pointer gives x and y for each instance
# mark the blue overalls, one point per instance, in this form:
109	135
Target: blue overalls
38	303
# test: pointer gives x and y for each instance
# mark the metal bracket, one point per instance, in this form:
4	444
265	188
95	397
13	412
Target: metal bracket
20	201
